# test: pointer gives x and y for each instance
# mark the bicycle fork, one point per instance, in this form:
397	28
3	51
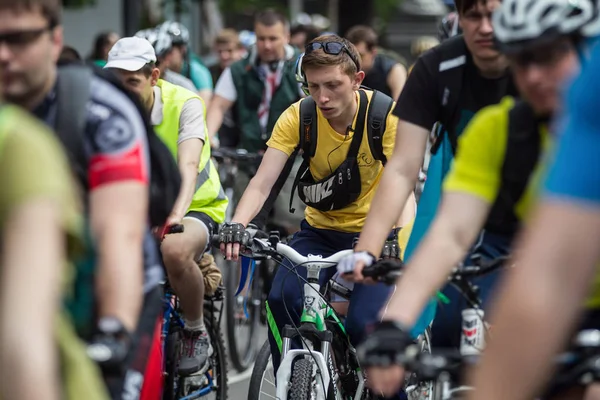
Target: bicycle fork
313	330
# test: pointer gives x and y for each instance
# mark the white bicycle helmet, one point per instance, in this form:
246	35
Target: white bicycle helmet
521	23
247	38
160	40
179	33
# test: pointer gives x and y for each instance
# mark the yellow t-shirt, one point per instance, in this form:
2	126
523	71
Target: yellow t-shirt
477	167
332	149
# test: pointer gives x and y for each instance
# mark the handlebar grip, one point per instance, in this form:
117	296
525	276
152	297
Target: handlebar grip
215	241
167	230
386	271
178	228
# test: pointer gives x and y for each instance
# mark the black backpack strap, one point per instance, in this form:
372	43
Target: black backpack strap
308	140
379	108
359	128
308	127
73	93
522	149
451	71
521	157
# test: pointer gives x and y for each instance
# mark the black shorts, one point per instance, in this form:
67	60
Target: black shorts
209	224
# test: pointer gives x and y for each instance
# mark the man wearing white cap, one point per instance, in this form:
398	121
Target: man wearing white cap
166	58
178	116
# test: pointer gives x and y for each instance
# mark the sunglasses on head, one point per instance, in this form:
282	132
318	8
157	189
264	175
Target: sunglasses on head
333	48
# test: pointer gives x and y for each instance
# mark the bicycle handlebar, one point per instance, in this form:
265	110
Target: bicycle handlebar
235	154
381	271
478	268
572	365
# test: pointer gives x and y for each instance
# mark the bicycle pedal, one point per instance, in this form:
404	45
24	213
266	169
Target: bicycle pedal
197	381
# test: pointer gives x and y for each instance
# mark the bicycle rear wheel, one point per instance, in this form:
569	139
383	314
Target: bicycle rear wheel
172	349
262	382
241	330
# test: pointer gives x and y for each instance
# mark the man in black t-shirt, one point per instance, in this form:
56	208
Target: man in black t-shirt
429	96
382	72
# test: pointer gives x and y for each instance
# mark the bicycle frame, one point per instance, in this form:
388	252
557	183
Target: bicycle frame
313	317
171	314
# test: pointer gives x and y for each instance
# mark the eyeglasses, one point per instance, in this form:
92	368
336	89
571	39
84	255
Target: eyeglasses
333	48
18	40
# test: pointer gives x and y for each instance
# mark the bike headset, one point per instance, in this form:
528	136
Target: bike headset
449	27
521	24
343	186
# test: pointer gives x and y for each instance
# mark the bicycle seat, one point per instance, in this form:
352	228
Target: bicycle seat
218	295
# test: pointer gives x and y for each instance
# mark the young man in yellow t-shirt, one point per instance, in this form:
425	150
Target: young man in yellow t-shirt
331	72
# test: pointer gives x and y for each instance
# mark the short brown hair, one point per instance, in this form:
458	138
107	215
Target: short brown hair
363	33
462	6
228	36
50	9
270	17
147	69
318	58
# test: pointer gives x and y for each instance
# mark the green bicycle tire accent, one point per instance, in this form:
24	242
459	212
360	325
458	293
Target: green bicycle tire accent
273	327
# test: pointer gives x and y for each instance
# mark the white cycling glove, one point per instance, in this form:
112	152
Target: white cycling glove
346	264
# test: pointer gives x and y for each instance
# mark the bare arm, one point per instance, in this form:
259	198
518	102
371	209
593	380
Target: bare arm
409	212
206	95
539	300
260	186
454	230
118	221
188	158
32	269
217	109
397	183
396	79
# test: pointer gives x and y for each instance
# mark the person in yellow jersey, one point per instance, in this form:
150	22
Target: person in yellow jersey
41	237
337	180
178	116
492	183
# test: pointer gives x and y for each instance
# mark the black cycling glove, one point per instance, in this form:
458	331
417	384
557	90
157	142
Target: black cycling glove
385	345
110	345
233	232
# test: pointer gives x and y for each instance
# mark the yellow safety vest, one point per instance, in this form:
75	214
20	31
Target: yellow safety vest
209	198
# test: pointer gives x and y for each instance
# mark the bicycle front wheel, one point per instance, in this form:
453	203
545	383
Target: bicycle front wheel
262	382
242	330
301	384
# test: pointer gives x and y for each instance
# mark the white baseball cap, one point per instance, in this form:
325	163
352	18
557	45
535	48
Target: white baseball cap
130	54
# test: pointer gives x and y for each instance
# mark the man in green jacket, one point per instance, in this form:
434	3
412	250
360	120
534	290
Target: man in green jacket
258	88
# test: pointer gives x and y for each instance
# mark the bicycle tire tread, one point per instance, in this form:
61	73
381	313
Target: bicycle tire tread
301	381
